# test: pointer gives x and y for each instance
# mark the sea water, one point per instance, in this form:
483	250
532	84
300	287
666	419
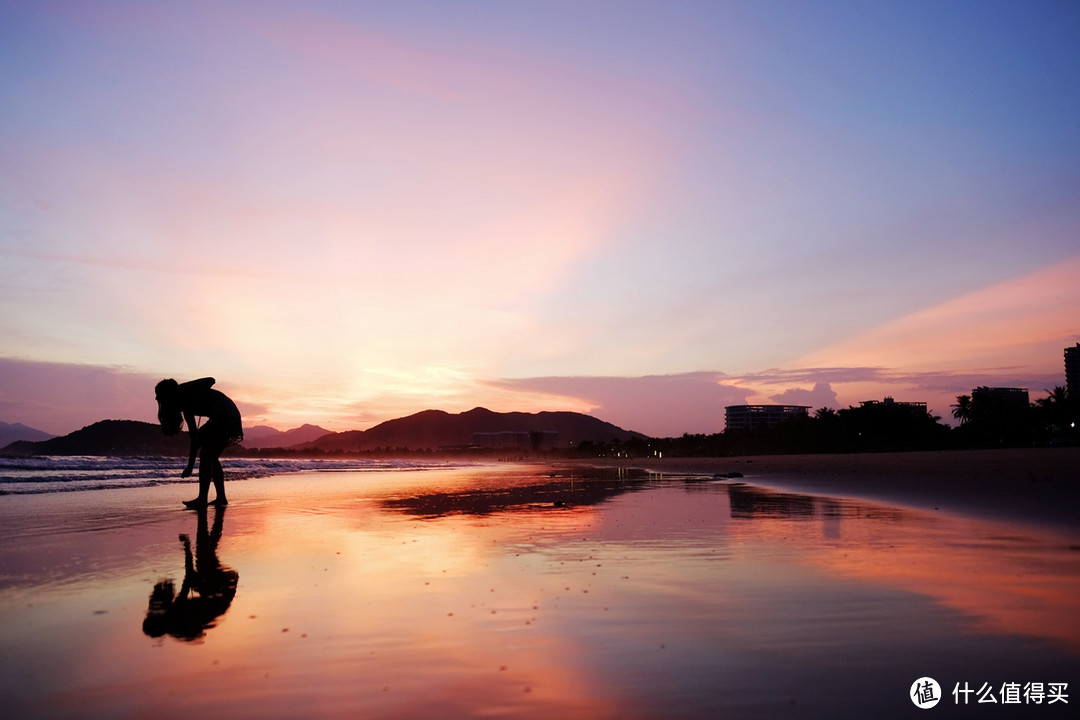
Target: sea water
73	473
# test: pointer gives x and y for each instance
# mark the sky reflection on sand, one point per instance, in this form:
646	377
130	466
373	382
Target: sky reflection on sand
449	595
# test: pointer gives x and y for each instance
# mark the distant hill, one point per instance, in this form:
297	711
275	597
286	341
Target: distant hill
432	429
264	436
108	437
437	429
10	432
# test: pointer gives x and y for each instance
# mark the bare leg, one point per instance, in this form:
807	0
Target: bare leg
204	485
219	484
204	481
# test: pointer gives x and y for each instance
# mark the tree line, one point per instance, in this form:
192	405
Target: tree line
985	421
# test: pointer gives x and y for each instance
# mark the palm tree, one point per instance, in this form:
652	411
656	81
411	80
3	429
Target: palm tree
962	408
825	413
1058	396
1055	406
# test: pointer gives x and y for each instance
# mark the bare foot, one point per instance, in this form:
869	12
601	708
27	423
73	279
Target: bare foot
196	504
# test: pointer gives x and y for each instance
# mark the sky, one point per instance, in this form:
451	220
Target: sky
348	212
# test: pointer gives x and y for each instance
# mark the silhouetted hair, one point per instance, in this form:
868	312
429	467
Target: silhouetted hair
156	623
169	415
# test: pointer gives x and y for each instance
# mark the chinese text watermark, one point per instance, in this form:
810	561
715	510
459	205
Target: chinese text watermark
925	693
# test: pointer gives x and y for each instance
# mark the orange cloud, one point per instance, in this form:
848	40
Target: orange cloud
1021	323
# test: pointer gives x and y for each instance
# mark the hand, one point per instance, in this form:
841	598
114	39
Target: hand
187	471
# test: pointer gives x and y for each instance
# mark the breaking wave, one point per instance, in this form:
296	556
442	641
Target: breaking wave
50	473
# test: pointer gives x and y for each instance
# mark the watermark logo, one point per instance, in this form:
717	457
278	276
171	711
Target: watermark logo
925	693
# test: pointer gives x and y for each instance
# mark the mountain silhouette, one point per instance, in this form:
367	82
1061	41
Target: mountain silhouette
107	437
436	429
432	429
264	436
10	432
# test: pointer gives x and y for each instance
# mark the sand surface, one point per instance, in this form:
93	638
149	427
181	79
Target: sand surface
537	591
1039	485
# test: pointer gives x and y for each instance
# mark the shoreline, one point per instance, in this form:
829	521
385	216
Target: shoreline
1032	485
1035	486
401	594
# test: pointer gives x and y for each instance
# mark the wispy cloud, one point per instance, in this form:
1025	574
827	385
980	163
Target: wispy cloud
1021	323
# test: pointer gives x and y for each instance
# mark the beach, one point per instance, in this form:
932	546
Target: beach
809	587
1033	485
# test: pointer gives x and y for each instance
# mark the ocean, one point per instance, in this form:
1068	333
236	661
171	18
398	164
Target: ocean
78	473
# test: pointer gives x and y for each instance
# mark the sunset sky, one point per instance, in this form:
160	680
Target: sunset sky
348	212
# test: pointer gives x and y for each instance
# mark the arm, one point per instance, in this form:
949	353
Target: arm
190	394
193	435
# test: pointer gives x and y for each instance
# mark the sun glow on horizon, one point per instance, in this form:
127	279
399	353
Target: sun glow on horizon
348	214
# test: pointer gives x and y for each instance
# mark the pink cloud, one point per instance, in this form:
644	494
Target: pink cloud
62	397
59	397
821	396
1011	334
1022	323
657	405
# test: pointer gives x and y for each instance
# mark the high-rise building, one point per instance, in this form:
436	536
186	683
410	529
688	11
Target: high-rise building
749	417
1072	370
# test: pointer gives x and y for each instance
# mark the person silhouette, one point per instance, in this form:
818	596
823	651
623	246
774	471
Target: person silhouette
183	403
206	593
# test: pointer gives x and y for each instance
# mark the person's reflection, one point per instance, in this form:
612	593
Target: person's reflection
206	593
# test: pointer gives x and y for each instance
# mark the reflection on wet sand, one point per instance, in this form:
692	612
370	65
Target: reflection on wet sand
206	593
747	502
1005	579
751	502
981	569
581	488
506	591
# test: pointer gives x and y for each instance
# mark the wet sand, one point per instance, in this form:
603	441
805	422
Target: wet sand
1039	485
533	591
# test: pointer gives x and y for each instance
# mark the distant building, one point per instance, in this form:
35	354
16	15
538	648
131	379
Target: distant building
1001	415
1001	397
889	402
749	417
516	440
1072	370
